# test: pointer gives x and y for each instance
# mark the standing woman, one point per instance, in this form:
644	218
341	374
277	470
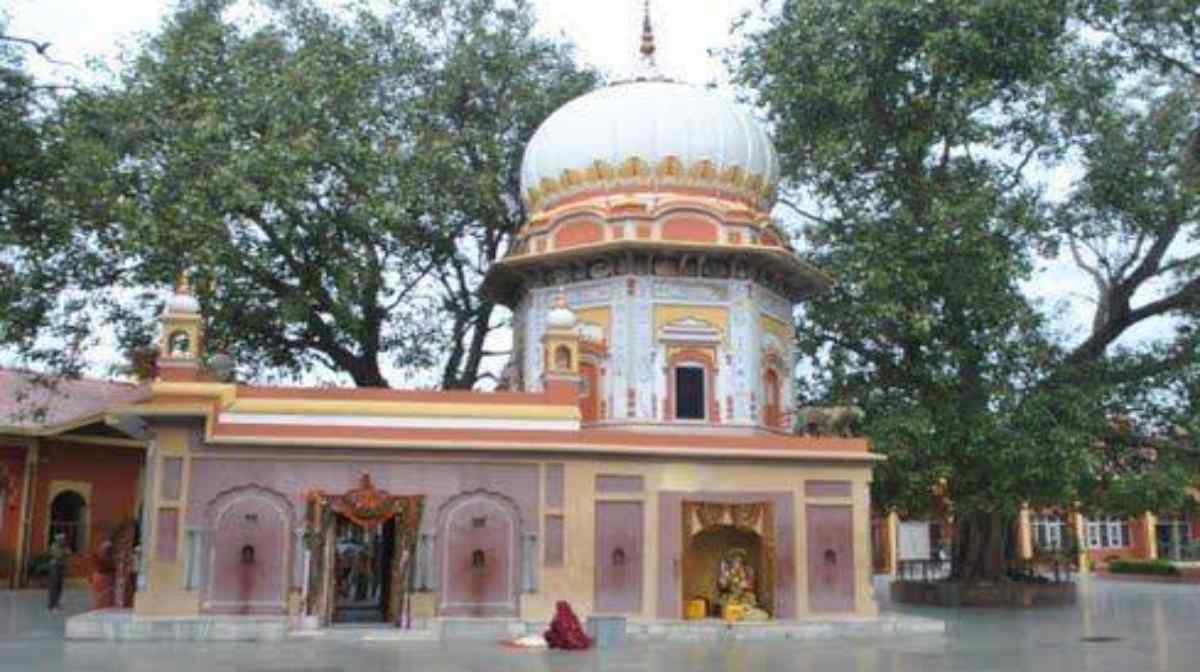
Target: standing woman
58	569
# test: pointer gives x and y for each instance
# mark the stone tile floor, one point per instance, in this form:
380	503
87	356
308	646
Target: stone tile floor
1154	627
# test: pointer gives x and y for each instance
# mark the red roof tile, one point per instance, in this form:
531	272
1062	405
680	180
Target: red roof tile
30	402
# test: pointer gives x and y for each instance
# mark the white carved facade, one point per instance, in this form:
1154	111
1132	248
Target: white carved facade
636	353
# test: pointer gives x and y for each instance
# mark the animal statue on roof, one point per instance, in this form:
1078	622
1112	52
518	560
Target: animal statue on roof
830	420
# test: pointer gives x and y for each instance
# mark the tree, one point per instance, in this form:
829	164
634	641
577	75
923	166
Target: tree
915	140
486	108
26	168
308	168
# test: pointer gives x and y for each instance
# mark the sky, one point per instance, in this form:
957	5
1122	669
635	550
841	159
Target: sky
606	34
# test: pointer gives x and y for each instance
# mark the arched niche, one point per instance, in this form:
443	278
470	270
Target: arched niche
480	555
247	568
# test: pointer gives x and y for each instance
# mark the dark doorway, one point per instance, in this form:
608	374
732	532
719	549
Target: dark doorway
689	393
362	571
66	518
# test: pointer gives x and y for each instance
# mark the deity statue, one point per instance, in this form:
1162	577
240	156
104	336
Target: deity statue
737	589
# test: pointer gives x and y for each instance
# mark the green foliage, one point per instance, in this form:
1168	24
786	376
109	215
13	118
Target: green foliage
915	139
1158	567
334	179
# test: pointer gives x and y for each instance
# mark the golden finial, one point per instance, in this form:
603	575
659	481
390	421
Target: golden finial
648	47
560	299
182	285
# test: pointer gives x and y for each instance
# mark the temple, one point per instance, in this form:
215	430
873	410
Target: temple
638	460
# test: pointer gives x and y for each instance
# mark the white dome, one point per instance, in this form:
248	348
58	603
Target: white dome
650	121
560	317
183	303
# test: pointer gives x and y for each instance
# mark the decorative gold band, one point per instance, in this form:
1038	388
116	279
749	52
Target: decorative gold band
669	172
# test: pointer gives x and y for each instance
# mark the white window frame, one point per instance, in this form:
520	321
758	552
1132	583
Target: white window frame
1048	532
1108	532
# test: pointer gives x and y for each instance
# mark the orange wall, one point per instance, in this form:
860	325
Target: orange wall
113	474
12	463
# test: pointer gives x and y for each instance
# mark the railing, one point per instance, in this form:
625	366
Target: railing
1044	568
922	570
1181	553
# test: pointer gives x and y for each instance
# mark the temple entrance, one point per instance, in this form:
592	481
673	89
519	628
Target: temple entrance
728	562
361	548
362	563
703	561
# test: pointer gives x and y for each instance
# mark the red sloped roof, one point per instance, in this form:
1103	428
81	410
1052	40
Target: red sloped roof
30	402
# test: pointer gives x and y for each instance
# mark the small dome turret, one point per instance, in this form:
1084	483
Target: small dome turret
561	316
182	301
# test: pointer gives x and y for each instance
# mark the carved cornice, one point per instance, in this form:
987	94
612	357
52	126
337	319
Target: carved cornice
636	173
773	268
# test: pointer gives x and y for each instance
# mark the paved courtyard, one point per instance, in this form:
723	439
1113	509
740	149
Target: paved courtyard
1155	628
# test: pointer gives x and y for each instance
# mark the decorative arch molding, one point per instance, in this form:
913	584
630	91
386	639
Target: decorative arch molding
577	231
228	590
705	357
482	592
220	503
693	208
450	504
84	490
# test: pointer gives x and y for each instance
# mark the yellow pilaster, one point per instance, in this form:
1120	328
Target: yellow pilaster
893	542
165	592
1080	545
1025	532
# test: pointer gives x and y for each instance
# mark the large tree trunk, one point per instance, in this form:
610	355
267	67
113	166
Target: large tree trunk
981	547
365	372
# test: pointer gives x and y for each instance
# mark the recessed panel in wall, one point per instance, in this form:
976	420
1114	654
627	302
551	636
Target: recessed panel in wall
618	561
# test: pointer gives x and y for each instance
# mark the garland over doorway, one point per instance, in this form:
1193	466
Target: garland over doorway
369	507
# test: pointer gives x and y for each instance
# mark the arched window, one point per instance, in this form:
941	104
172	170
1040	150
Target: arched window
179	344
562	358
67	518
771	395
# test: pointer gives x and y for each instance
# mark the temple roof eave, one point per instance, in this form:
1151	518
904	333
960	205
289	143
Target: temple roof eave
580	443
505	278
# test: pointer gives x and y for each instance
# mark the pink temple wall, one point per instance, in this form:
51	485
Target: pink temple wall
290	475
830	557
618	562
248	556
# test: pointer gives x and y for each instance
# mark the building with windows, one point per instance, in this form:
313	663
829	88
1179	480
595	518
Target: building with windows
639	460
63	470
1097	539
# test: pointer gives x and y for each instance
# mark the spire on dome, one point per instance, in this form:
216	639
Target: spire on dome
648	47
647	69
182	301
